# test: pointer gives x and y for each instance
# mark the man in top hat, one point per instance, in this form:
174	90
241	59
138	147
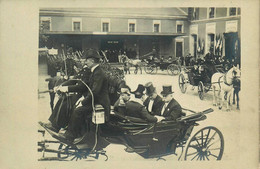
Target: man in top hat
99	86
153	102
209	62
134	107
171	109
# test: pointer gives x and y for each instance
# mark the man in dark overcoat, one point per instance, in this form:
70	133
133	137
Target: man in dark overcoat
153	102
171	109
98	84
62	111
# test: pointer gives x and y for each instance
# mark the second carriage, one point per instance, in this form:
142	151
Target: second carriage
200	78
171	65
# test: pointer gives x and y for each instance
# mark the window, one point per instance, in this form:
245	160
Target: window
76	24
131	25
156	26
238	11
105	27
179	26
46	23
232	11
211	12
105	23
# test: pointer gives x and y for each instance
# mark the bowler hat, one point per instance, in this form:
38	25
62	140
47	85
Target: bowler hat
149	88
91	53
139	91
167	90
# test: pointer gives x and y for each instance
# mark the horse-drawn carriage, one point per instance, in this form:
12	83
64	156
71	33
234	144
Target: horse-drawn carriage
198	75
171	65
149	140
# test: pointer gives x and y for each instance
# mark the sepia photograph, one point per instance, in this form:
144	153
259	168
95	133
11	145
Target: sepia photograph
155	83
134	85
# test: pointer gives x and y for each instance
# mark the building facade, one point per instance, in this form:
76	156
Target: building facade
217	29
173	32
137	30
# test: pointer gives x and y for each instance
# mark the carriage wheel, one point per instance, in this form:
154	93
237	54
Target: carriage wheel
207	87
173	69
149	69
207	144
182	83
201	90
66	151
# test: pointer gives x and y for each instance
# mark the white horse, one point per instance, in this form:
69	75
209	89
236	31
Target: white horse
137	63
223	84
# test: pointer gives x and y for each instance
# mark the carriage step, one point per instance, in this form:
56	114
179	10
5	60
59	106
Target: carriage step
51	159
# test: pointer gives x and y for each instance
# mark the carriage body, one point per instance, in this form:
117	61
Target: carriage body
200	79
171	65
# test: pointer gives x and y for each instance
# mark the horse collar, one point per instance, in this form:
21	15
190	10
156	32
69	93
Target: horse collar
225	80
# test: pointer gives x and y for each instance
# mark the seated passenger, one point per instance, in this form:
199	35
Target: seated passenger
171	109
153	102
193	74
134	107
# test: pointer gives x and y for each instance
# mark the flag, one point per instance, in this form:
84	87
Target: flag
198	46
220	46
202	46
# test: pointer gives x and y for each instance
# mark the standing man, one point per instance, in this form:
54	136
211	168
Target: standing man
98	84
61	113
171	109
209	62
153	102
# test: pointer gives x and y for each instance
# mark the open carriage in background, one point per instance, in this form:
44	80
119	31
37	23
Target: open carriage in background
201	78
172	65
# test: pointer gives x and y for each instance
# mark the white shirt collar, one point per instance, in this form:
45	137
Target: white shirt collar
93	68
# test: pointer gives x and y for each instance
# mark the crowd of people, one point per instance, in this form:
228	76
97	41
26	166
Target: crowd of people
114	56
143	103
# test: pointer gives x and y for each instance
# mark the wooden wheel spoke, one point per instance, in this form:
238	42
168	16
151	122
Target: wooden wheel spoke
197	142
213	155
213	143
192	154
211	138
207	137
195	156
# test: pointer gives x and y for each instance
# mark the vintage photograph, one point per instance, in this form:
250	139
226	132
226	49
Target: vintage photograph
153	84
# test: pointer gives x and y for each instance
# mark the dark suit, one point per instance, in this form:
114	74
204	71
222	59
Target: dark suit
156	105
172	111
62	111
99	86
134	109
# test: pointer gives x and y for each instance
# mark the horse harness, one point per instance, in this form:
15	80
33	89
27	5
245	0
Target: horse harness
224	80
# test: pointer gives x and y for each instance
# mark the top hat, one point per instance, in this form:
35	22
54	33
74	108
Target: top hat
167	90
149	88
139	91
91	53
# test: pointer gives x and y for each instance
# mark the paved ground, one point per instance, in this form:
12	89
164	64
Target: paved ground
226	122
